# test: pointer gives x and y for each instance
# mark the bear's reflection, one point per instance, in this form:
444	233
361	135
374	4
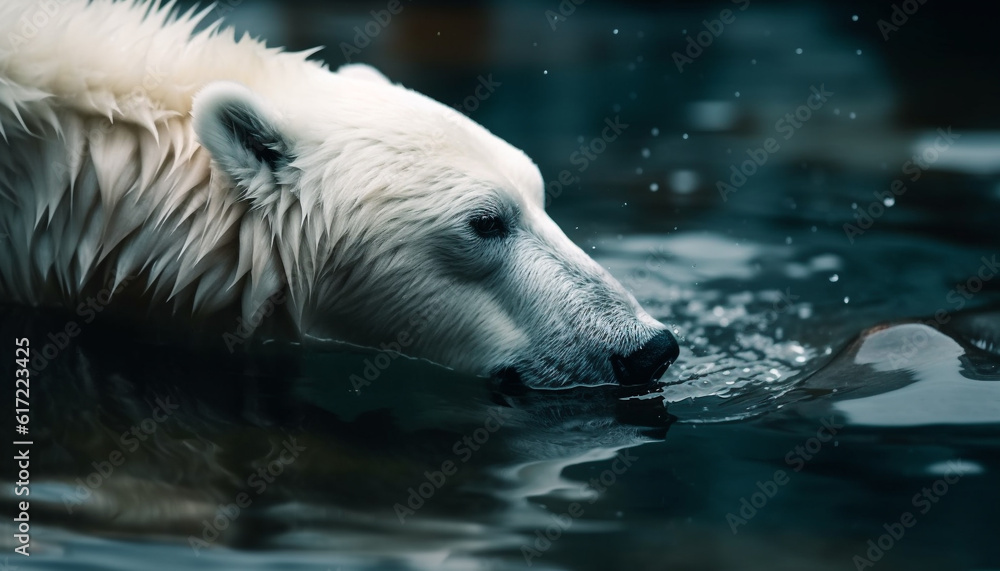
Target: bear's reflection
287	448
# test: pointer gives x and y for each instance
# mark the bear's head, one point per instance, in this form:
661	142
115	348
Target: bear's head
395	221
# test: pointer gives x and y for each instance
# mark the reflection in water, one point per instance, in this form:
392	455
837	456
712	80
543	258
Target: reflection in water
213	429
941	394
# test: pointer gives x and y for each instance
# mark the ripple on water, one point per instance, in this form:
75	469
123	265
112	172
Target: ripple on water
736	358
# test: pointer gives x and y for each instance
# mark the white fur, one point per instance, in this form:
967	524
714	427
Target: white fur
363	217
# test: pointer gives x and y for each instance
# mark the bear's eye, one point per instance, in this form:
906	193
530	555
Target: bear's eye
489	226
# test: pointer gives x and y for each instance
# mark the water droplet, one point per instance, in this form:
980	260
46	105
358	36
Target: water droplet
753	61
615	31
853	115
737	94
847	299
654	187
854	18
788	240
813	229
889	202
858	52
854	206
836	111
638	170
835	278
545	72
645	153
798	51
655	132
684	136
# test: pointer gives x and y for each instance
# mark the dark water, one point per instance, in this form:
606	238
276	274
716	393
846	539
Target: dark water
829	393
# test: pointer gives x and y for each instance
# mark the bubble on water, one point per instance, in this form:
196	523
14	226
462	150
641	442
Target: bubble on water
858	52
798	51
645	153
684	136
545	72
889	202
655	132
835	278
615	31
854	206
805	312
654	187
684	181
854	18
737	94
847	299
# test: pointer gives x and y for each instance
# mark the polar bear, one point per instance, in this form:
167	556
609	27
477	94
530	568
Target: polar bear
213	174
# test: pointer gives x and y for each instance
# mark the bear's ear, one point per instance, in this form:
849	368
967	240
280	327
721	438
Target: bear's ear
241	132
364	72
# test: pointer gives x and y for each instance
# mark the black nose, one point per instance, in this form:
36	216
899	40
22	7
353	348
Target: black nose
648	363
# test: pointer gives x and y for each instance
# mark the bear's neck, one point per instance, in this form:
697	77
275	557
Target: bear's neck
133	216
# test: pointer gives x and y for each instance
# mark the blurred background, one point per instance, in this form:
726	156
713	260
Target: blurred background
557	70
